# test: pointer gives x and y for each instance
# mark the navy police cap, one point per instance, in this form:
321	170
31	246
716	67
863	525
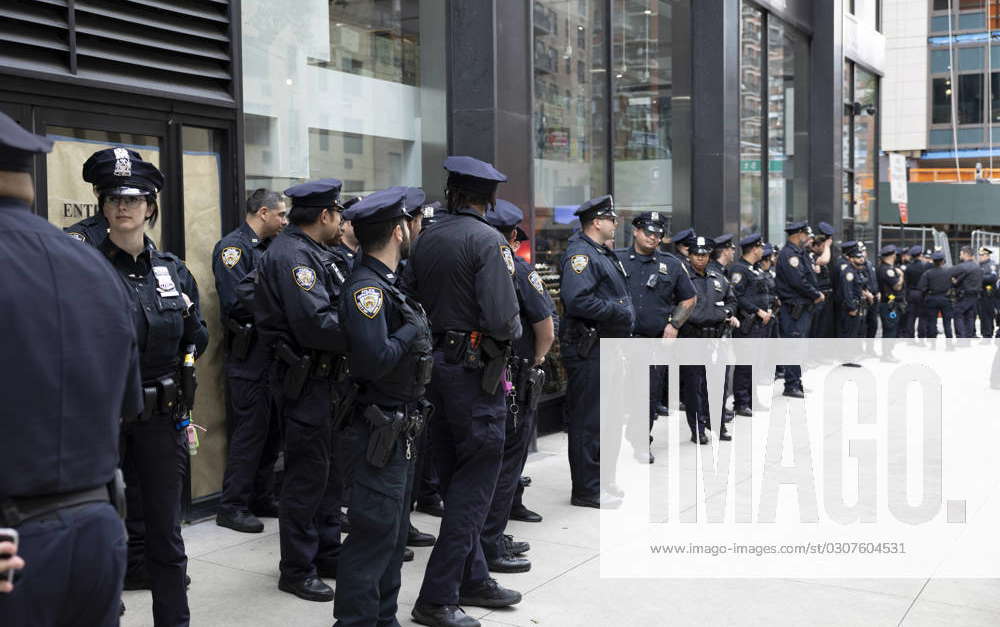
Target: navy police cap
505	214
414	200
600	206
915	251
888	249
122	171
937	255
702	246
379	206
650	221
768	250
350	202
825	229
18	146
318	193
795	227
682	237
473	175
723	241
751	240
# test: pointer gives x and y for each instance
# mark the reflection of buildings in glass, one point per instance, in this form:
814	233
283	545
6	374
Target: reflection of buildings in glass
375	39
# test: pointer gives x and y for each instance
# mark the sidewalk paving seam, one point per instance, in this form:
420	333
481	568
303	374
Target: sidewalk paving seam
913	602
550	580
256	536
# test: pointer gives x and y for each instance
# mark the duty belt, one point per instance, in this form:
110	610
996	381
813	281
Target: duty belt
19	510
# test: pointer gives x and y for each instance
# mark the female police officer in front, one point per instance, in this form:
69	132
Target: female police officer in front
168	326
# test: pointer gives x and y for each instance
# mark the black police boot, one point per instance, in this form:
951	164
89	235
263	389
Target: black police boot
523	514
442	616
408	555
415	537
794	393
489	594
743	410
244	522
515	547
265	509
434	508
309	589
724	435
509	563
524	480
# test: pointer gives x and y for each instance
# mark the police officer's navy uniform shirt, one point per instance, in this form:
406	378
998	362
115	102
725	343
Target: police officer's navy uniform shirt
535	305
594	288
656	283
796	282
715	299
297	294
870	277
234	257
156	280
750	287
936	281
348	257
381	340
92	230
69	368
461	270
968	278
888	277
913	272
852	284
989	275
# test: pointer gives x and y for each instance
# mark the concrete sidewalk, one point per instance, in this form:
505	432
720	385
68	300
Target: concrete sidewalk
234	580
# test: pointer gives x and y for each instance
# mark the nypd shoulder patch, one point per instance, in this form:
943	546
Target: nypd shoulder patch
305	277
849	276
536	282
368	300
78	236
793	261
508	258
890	272
231	256
737	277
579	263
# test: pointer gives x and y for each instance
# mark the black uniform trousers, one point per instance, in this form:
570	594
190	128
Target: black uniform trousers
870	327
583	409
75	564
309	507
253	445
824	318
934	305
890	320
743	375
530	421
372	555
965	316
849	326
467	439
694	392
791	327
154	460
986	307
911	326
517	438
426	487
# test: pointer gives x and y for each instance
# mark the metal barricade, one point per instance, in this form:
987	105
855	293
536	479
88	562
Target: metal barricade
986	239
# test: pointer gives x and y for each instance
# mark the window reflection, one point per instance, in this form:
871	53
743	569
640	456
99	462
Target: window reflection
751	114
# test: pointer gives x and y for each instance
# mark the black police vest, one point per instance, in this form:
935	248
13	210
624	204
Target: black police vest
408	381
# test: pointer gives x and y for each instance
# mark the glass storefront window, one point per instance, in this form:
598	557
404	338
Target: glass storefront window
643	159
376	39
570	118
751	116
865	155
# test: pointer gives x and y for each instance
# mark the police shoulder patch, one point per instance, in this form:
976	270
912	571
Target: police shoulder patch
305	277
78	236
536	282
793	261
890	272
508	258
663	268
368	300
737	277
849	276
231	256
579	263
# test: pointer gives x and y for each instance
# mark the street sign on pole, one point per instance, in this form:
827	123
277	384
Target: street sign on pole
904	213
897	178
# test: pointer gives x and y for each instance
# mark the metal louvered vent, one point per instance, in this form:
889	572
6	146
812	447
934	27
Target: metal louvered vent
180	49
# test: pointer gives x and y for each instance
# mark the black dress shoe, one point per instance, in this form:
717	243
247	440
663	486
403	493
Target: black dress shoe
310	589
432	508
326	570
524	480
580	501
415	537
794	393
743	410
265	509
523	514
515	547
489	594
509	564
408	555
244	522
701	438
442	616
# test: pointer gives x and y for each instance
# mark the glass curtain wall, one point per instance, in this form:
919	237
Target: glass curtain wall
860	190
773	70
351	90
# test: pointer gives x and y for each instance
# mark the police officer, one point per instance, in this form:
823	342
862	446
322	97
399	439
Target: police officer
462	271
820	253
661	292
934	285
798	291
890	286
754	310
169	328
723	254
65	394
712	317
390	359
94	229
299	285
346	243
967	277
597	304
913	321
503	555
254	441
870	325
682	241
766	267
987	306
851	292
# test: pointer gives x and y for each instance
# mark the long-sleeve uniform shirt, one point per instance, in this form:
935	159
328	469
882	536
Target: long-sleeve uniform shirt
656	284
968	278
796	282
534	303
594	290
234	257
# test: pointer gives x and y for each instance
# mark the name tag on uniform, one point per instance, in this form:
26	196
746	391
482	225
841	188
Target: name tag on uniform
164	284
